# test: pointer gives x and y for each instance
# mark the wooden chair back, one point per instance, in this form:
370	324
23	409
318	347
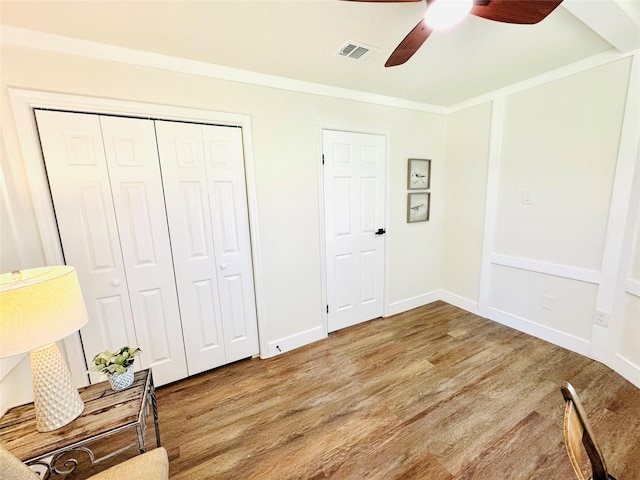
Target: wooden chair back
579	438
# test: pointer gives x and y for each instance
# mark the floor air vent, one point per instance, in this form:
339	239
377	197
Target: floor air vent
356	51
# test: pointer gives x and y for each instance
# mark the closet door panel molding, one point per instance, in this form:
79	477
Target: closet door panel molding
184	179
134	172
79	185
228	204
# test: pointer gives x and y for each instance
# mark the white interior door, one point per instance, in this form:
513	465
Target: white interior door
203	175
354	195
105	182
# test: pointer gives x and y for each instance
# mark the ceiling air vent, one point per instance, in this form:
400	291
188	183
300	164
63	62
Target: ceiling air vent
356	51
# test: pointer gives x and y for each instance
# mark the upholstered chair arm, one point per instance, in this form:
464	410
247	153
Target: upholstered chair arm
152	465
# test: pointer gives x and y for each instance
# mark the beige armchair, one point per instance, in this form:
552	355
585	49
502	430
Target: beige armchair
152	465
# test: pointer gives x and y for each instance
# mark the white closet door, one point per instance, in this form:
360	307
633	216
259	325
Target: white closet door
79	181
134	171
185	184
203	175
229	212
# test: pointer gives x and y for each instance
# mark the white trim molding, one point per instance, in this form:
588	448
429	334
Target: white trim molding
84	48
460	302
620	206
627	369
491	202
557	337
411	303
575	68
292	342
555	269
23	37
632	287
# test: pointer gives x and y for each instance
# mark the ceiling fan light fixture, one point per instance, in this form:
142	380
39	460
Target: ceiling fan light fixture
446	13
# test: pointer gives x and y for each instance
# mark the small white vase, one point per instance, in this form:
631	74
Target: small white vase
120	381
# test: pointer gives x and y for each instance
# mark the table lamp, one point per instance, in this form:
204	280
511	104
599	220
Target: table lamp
38	307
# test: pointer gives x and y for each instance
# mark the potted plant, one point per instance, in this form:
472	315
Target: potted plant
118	366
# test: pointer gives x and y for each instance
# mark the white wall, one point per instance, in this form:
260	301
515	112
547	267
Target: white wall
285	142
560	140
465	193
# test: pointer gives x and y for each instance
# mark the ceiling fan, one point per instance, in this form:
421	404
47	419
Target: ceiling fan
507	11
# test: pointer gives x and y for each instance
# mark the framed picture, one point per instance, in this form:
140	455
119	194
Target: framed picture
419	174
418	207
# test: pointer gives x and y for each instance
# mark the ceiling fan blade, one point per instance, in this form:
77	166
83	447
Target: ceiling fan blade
525	12
410	45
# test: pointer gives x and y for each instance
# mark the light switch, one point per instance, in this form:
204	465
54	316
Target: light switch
527	196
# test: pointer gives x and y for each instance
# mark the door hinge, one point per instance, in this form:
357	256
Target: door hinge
323	158
327	308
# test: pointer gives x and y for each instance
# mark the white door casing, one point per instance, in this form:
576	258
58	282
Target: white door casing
354	196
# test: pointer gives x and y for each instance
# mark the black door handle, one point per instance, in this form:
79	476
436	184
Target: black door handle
381	231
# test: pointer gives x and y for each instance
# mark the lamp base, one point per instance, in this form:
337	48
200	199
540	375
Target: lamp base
56	398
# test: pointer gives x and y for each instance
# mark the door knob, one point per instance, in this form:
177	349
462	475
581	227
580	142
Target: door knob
381	231
115	282
223	266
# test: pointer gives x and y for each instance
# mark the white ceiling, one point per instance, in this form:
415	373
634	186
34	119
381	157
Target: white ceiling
299	39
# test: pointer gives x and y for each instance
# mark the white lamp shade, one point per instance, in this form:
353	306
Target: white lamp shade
43	307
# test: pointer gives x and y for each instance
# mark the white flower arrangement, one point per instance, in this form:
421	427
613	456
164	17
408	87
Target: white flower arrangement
114	362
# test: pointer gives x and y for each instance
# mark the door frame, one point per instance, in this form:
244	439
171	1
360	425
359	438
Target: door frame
24	102
347	128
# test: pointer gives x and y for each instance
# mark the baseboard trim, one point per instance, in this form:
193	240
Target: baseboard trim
411	303
562	339
459	301
627	369
292	342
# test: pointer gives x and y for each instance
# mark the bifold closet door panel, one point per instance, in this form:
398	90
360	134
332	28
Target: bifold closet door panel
79	183
203	175
185	186
224	157
136	186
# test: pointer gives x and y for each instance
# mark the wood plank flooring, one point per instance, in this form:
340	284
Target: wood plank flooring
436	393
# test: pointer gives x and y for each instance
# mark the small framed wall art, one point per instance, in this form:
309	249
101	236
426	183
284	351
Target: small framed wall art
419	174
418	205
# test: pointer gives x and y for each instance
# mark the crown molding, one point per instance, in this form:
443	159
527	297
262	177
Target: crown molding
551	76
71	46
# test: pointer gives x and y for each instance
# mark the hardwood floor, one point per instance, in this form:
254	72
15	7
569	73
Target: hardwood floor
436	393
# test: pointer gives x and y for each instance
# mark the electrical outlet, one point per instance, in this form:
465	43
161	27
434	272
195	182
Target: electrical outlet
601	318
547	302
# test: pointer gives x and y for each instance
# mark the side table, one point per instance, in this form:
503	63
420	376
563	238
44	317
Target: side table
106	413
